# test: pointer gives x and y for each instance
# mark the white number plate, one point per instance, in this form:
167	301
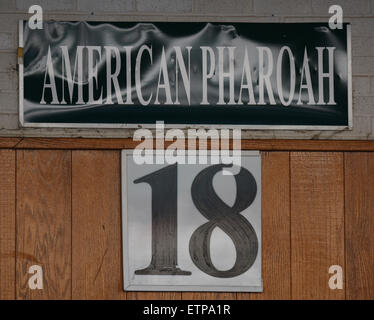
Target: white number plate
191	228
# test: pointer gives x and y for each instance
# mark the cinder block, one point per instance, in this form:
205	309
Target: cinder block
362	129
363	106
362	46
372	85
8	122
362	86
8	62
9	22
239	7
7	5
350	7
118	6
177	6
49	5
8	82
362	125
363	66
283	7
8	103
6	41
362	27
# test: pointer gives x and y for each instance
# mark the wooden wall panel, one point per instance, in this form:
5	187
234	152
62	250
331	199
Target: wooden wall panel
359	225
7	224
67	219
276	257
317	223
96	225
44	222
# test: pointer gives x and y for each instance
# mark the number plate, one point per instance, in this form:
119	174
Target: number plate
190	227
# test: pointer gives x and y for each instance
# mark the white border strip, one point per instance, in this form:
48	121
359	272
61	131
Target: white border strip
20	75
349	57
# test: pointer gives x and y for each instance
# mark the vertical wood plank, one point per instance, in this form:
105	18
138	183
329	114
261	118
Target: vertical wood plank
317	223
276	256
44	222
7	224
96	225
359	225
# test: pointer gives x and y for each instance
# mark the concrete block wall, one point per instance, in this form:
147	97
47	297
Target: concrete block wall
359	12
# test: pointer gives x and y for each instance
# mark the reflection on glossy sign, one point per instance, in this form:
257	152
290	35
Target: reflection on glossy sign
247	74
191	227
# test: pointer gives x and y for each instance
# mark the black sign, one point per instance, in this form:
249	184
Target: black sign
255	75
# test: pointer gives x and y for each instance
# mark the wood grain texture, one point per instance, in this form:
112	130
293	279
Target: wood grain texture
247	144
276	255
209	295
96	225
150	295
303	220
317	223
9	143
44	222
7	224
359	225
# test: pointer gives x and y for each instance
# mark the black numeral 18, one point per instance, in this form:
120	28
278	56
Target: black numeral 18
164	222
